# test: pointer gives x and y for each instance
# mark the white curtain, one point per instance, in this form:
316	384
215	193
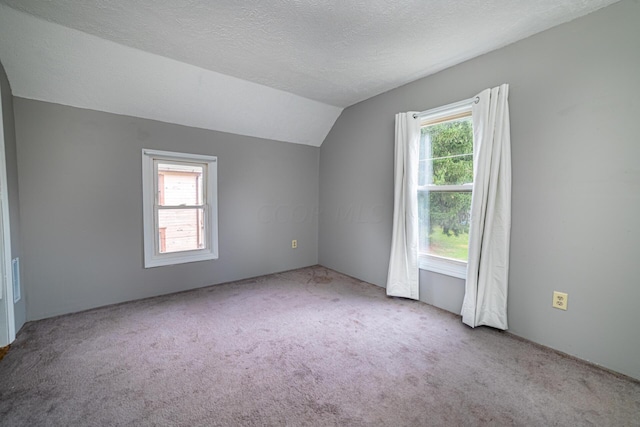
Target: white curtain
402	280
485	300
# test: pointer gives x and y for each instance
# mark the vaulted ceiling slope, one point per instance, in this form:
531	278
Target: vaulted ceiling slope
277	69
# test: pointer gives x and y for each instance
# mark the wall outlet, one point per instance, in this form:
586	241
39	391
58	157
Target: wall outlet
560	300
294	244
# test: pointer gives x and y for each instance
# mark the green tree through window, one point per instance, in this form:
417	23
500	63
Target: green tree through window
445	180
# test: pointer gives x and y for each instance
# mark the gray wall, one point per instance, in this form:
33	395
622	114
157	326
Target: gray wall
80	199
12	185
574	103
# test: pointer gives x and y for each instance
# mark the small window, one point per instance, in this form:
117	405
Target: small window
179	207
445	180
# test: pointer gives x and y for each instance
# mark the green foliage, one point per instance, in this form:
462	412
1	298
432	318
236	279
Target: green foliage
452	151
448	162
450	211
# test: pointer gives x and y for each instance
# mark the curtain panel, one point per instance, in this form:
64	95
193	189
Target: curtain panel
485	300
402	279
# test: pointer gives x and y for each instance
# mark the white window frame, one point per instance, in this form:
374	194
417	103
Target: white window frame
152	255
438	264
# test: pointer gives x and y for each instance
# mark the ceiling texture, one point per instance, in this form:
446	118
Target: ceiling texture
276	69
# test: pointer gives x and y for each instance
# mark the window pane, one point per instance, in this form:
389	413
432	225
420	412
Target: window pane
180	184
181	230
446	153
444	223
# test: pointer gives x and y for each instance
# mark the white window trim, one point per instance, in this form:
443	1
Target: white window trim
447	266
152	257
437	264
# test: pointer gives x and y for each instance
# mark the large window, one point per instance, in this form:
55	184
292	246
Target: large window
179	207
444	194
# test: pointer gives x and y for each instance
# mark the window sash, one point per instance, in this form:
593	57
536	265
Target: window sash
159	207
156	183
436	263
205	231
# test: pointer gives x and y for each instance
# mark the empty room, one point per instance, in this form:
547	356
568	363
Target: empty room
358	213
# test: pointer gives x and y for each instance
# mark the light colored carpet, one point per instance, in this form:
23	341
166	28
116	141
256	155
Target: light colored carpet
306	347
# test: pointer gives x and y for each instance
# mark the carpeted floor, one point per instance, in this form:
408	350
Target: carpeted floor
307	347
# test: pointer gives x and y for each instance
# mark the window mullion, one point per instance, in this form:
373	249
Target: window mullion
173	207
446	188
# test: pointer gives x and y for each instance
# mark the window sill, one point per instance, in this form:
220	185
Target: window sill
446	266
179	258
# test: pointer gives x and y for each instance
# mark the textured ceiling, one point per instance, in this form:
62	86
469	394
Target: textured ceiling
334	52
